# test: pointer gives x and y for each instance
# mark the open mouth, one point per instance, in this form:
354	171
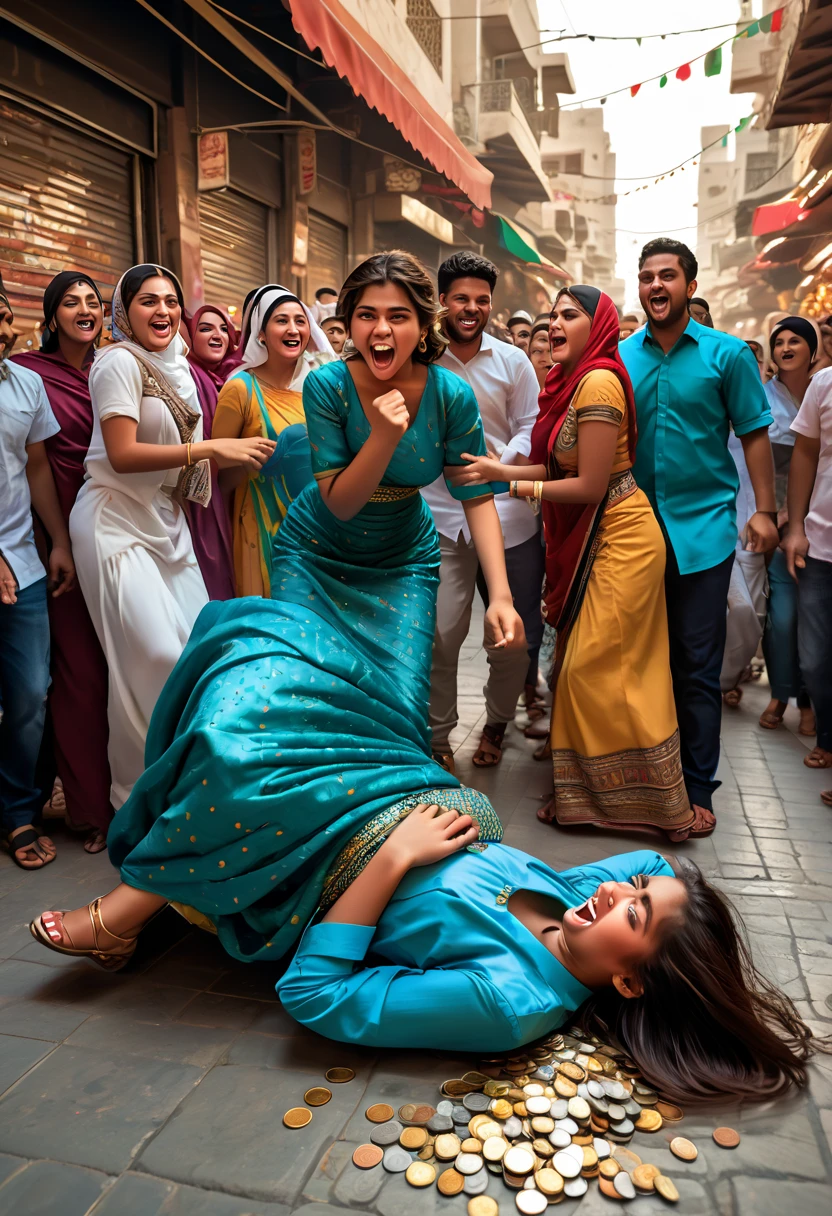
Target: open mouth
467	324
161	328
215	343
586	913
557	343
786	355
291	344
382	356
659	304
86	324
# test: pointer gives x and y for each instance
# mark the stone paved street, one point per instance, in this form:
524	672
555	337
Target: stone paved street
160	1091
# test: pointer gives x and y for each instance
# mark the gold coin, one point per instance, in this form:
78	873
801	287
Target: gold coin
483	1205
298	1116
520	1109
543	1124
413	1138
379	1113
426	1153
607	1187
670	1112
446	1147
317	1096
450	1182
626	1158
501	1109
542	1148
471	1145
726	1137
548	1181
478	1079
406	1112
337	1076
565	1088
649	1120
644	1175
478	1121
494	1148
496	1089
366	1156
485	1130
684	1149
573	1071
609	1168
420	1174
666	1188
422	1114
590	1158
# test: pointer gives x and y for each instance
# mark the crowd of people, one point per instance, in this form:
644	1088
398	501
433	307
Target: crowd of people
254	567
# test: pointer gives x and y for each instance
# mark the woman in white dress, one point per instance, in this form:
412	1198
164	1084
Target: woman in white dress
132	544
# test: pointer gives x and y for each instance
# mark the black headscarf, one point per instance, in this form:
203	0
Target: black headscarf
587	297
796	325
52	297
132	281
4	295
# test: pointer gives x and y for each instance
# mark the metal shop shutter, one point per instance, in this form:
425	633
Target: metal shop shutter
234	240
66	203
327	259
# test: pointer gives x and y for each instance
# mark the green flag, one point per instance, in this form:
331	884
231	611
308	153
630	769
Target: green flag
765	23
662	82
753	28
713	62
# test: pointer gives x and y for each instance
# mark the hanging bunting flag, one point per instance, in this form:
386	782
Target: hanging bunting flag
743	123
634	88
662	82
683	73
713	62
638	40
777	21
752	29
723	143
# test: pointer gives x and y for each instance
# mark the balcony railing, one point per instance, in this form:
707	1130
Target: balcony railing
425	25
497	95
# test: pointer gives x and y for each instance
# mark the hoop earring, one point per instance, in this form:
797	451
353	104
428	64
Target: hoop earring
423	346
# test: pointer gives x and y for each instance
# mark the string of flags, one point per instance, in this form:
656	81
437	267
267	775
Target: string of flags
693	161
771	23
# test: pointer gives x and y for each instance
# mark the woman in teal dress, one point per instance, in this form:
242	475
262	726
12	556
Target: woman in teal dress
291	738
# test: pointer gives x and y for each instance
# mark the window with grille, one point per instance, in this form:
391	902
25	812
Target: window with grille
425	24
759	167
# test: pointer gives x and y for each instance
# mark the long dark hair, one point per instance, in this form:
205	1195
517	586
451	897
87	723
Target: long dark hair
406	272
708	1024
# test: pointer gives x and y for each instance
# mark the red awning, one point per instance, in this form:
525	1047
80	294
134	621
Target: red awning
374	77
774	217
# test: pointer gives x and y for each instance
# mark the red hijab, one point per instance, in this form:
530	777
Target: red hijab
567	526
218	373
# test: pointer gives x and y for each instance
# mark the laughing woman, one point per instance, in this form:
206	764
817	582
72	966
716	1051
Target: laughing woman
614	735
260	400
133	551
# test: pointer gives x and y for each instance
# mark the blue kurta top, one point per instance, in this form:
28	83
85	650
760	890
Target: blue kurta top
448	965
685	401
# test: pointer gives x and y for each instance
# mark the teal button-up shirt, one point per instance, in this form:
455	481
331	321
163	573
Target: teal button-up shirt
449	966
686	402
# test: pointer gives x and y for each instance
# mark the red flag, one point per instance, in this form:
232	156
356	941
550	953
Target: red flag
776	20
683	73
634	88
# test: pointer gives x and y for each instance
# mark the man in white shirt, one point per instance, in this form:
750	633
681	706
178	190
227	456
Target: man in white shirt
808	549
26	420
505	385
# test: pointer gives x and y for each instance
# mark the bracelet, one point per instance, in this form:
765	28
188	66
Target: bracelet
188	451
512	489
538	491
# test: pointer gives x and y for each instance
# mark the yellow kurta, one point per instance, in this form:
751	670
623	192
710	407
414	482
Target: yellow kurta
615	740
255	518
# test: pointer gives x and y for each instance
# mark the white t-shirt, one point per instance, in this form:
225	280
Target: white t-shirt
814	420
506	389
25	417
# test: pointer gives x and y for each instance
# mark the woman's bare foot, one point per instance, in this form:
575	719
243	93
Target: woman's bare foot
96	842
546	813
33	850
703	825
808	725
732	698
772	715
818	757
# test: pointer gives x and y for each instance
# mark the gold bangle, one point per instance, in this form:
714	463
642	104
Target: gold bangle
538	491
188	452
512	489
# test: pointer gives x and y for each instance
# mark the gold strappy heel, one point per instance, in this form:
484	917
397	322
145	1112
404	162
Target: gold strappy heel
49	932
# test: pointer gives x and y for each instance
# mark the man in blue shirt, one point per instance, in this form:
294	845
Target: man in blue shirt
692	386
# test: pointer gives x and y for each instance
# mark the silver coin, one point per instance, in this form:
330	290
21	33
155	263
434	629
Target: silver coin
529	1184
595	1088
566	1165
476	1103
599	1105
623	1183
601	1147
468	1163
531	1202
574	1188
559	1108
567	1125
476	1184
438	1124
512	1127
616	1113
575	1150
544	1073
632	1108
460	1115
559	1138
387	1133
625	1127
396	1159
583	1090
538	1105
614	1090
494	1167
445	1107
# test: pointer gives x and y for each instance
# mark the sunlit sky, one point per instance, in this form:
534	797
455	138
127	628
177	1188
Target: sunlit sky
659	127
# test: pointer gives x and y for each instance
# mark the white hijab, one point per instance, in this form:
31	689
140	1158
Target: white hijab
256	352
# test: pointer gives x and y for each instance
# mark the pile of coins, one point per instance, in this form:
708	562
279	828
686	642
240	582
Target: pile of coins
318	1095
547	1121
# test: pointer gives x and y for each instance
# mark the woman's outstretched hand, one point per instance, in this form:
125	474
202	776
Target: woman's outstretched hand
479	471
503	626
249	454
428	834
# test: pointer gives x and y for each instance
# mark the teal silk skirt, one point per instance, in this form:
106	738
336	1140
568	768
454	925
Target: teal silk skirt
290	725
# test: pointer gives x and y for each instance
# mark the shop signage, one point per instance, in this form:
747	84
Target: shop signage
300	243
307	162
213	160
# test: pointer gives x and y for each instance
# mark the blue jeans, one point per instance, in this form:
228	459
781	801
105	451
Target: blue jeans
780	637
24	681
814	641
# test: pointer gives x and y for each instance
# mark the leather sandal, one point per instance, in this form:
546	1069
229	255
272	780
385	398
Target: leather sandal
49	930
28	837
490	750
